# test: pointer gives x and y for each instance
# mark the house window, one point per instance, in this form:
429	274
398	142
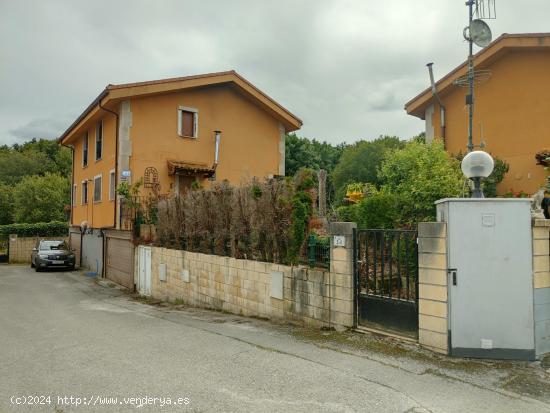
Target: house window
97	188
99	141
188	120
112	185
74	196
85	150
84	192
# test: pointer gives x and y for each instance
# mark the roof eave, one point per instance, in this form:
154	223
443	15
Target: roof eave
291	122
414	106
85	113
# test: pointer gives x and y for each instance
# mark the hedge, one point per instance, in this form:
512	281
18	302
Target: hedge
39	229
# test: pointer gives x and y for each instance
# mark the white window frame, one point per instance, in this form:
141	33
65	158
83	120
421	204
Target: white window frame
84	193
112	189
102	139
100	176
195	121
86	145
74	199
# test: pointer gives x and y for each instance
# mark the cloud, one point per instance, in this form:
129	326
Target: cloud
346	67
41	128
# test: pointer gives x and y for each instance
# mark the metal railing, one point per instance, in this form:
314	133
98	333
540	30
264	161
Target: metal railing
318	252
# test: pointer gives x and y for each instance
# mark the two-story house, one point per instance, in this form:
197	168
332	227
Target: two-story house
168	133
511	107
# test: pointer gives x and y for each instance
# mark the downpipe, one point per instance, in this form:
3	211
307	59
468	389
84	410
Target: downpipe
441	105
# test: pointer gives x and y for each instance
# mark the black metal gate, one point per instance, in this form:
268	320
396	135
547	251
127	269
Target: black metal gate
386	279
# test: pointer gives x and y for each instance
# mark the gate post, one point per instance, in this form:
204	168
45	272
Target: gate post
541	284
432	286
341	282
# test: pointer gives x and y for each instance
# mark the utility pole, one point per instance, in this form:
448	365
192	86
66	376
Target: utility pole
470	96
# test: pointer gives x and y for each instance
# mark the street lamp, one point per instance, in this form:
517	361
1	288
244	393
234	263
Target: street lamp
477	165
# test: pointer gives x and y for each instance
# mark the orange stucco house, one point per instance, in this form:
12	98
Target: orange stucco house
511	112
169	133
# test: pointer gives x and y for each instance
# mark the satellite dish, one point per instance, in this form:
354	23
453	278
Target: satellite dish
480	33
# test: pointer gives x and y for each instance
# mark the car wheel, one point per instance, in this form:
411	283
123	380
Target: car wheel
72	268
32	264
37	269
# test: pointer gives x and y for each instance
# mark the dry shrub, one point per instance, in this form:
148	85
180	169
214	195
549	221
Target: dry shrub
171	223
252	221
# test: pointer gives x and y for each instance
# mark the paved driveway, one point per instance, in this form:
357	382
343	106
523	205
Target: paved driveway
63	336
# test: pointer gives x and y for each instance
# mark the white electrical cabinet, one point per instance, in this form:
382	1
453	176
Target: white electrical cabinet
490	282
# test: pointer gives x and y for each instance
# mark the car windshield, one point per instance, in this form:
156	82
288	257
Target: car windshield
52	245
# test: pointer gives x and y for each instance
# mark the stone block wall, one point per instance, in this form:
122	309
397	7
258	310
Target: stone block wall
21	248
251	288
432	286
541	284
301	294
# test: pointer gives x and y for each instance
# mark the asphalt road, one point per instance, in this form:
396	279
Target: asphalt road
62	335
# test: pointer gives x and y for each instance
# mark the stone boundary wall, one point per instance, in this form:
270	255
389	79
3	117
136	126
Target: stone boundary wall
21	248
541	284
311	296
432	286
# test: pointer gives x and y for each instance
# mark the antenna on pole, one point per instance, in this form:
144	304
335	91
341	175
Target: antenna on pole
477	32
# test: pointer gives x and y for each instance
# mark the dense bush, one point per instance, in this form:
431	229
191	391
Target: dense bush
420	174
411	179
39	229
490	184
381	210
6	204
41	198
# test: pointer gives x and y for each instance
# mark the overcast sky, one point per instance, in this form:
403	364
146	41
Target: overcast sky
344	67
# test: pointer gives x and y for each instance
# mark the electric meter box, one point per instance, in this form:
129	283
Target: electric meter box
490	277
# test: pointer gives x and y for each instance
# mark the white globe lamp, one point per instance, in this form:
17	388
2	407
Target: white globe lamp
477	165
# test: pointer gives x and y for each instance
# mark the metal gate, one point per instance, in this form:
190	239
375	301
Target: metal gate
119	257
386	279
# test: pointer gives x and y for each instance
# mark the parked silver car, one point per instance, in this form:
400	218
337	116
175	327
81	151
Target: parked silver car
52	254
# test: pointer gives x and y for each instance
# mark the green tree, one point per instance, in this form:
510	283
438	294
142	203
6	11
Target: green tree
15	165
312	154
420	174
41	198
35	157
6	204
360	163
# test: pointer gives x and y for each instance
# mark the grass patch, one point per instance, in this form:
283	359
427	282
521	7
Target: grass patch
528	383
385	346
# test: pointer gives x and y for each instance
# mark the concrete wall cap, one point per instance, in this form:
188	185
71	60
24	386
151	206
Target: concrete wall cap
483	200
342	228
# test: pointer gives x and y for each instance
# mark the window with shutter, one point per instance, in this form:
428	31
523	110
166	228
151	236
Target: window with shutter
99	141
187	122
85	150
84	192
97	188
